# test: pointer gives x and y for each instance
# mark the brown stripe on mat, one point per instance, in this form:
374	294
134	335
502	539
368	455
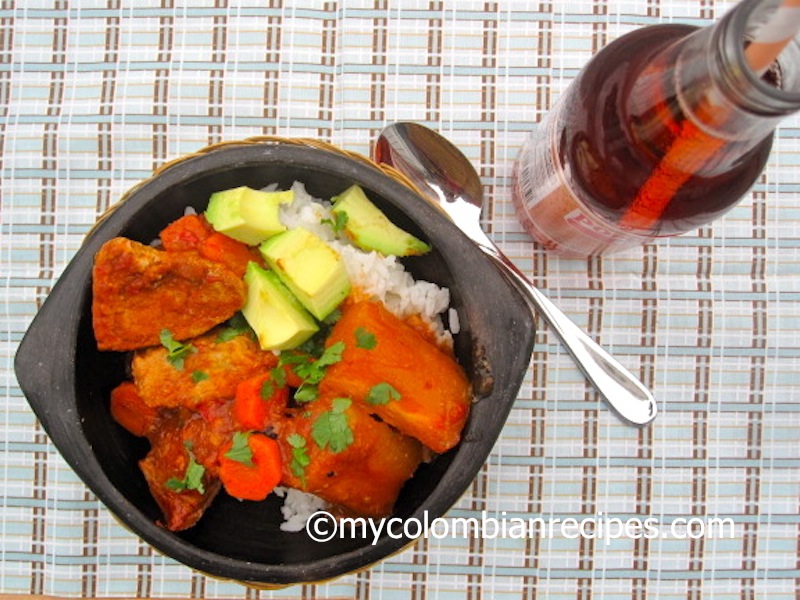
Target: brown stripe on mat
327	76
433	80
166	38
90	548
108	89
644	474
216	79
544	59
488	161
272	74
586	559
702	387
6	58
752	492
379	57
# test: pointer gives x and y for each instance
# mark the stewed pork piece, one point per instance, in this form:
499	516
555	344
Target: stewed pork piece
139	291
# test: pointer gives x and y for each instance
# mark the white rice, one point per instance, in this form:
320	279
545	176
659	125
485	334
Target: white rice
297	508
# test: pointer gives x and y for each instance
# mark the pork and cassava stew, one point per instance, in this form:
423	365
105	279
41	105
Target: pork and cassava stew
267	349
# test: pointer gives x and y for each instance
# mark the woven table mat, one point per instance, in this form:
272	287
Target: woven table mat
94	95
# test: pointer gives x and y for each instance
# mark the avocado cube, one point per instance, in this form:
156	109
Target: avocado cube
370	229
278	319
247	215
310	268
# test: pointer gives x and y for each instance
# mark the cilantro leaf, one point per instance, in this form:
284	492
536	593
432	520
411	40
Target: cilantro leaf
267	389
192	478
331	429
382	393
237	325
306	393
365	339
278	376
311	370
240	449
338	222
331	356
300	459
198	376
176	351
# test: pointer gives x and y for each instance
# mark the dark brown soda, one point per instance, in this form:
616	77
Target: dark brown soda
615	144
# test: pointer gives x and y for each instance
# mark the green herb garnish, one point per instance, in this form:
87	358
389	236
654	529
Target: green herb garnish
278	376
311	370
331	429
176	351
240	449
365	339
267	389
274	382
198	376
300	459
307	392
382	393
192	478
237	325
338	222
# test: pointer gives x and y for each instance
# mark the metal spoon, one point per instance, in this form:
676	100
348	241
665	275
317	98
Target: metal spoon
450	182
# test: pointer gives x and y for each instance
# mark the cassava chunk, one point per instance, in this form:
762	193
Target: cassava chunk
432	396
211	370
366	476
138	291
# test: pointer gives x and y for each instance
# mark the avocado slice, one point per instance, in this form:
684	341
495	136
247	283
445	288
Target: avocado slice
247	215
278	319
370	229
310	268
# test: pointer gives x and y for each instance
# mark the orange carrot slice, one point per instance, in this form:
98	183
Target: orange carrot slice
255	478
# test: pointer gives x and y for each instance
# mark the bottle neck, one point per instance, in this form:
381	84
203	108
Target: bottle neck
774	93
707	76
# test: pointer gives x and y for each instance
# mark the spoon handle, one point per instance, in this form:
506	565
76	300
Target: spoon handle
626	395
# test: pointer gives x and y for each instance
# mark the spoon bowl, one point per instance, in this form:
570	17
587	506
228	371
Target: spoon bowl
447	179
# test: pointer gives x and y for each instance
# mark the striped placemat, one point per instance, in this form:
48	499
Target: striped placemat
95	94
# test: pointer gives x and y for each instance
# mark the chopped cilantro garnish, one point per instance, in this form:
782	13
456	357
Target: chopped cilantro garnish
237	325
382	393
276	381
307	392
192	478
240	449
365	339
331	429
331	356
278	376
267	389
198	376
338	223
311	370
300	459
176	351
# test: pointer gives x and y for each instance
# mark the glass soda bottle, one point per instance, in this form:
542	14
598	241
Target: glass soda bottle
664	130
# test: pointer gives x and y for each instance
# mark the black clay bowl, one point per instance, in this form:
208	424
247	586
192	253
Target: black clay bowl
67	381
